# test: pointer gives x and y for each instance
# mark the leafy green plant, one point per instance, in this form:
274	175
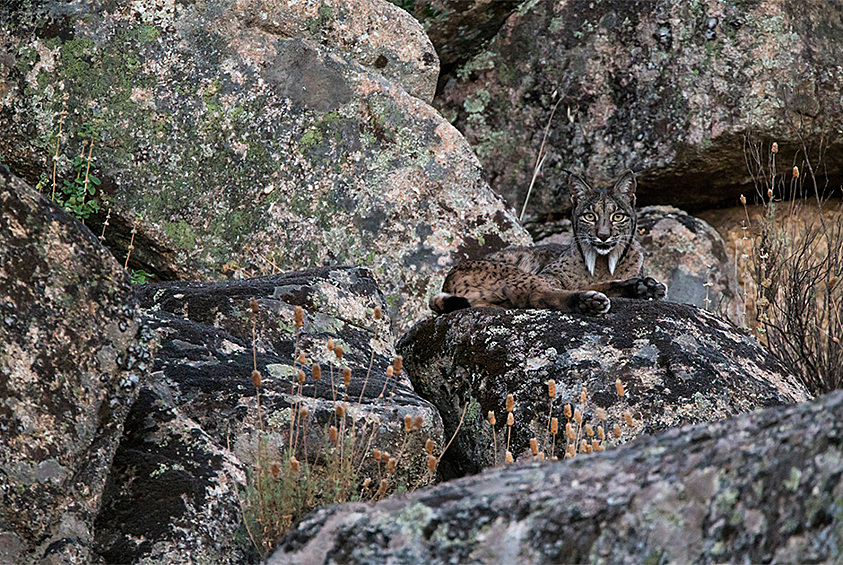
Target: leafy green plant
78	194
139	276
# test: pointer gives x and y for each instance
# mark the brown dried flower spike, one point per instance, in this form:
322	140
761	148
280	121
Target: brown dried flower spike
551	388
510	402
256	377
298	315
316	371
253	305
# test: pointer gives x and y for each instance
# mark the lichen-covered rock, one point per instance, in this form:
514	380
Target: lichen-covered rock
678	365
680	250
202	379
758	488
236	150
70	362
375	33
667	87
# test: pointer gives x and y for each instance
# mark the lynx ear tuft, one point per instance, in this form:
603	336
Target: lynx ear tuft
625	186
579	188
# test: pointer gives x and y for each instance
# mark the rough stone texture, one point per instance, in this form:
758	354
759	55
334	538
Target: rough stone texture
376	34
679	365
666	87
242	151
196	421
459	28
758	488
680	250
70	363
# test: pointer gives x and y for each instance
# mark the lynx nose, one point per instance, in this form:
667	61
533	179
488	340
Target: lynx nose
603	235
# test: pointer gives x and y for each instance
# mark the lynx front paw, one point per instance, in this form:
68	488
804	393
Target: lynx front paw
645	288
592	303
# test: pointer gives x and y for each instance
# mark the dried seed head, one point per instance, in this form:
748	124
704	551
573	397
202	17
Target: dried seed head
492	420
390	371
418	422
616	430
256	377
298	315
571	451
338	351
509	458
578	416
743	200
595	445
589	431
408	423
775	147
569	432
601	433
276	470
378	313
510	402
601	414
551	388
303	411
385	455
294	464
377	454
567	411
583	396
383	486
333	434
390	466
510	419
302	358
398	363
253	305
346	376
628	419
534	446
431	463
541	456
301	376
796	172
340	410
428	446
330	345
367	482
316	371
619	388
770	193
584	446
554	426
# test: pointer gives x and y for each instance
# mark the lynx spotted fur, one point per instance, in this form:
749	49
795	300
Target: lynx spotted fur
603	260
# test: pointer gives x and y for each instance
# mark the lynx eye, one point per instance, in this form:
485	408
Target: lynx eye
618	217
589	217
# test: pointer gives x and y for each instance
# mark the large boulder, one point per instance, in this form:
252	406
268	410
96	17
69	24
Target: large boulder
70	362
666	87
197	422
678	365
758	488
234	138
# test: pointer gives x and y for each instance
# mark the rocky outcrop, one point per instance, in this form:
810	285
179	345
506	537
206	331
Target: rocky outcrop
680	250
758	488
244	137
678	365
196	424
70	363
668	88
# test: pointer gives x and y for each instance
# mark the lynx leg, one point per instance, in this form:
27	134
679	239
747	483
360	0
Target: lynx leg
644	288
588	302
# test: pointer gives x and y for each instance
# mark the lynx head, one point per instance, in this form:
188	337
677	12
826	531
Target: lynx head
604	219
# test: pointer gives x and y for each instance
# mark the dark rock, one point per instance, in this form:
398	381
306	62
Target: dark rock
70	363
679	365
651	86
758	488
198	423
246	137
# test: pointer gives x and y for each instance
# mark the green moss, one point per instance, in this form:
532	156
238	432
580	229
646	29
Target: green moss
309	139
181	233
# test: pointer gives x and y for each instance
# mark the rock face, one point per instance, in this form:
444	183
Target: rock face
665	87
196	422
228	125
678	365
70	363
758	488
680	250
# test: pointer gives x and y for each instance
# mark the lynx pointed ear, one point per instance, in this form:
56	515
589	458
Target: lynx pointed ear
579	188
625	186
